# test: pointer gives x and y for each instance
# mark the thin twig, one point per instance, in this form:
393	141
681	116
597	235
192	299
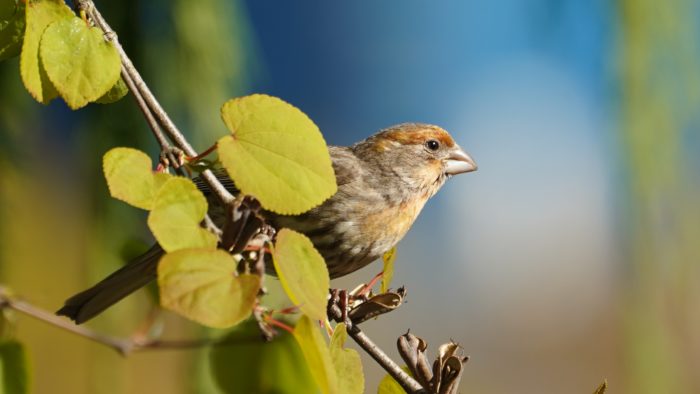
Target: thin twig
126	346
165	146
175	135
123	346
138	88
407	382
150	119
117	344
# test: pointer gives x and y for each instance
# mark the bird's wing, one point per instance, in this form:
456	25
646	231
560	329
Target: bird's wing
345	165
222	176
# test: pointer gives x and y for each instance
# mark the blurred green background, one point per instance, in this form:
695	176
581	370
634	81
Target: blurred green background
572	255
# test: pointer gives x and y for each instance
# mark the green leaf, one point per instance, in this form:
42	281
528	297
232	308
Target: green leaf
39	14
276	154
12	17
13	368
114	94
389	385
130	177
79	62
347	363
177	210
202	285
388	271
243	363
316	353
302	272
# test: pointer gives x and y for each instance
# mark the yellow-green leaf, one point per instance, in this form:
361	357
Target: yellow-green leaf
13	368
253	365
80	63
602	388
347	363
318	357
39	14
388	272
117	91
12	16
276	154
302	272
130	177
202	285
177	210
389	385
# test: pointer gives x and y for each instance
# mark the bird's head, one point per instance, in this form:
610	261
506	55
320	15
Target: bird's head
421	156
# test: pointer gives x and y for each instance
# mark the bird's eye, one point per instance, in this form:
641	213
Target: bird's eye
432	145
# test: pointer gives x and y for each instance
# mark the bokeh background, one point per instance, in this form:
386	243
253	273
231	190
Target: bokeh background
572	255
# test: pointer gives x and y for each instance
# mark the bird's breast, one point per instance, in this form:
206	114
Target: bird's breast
388	226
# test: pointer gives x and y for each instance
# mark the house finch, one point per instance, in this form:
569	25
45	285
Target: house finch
383	183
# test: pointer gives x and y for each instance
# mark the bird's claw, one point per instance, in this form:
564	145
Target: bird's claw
172	156
344	301
339	307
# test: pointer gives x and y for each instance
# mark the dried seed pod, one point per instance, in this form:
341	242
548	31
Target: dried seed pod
446	373
412	351
375	306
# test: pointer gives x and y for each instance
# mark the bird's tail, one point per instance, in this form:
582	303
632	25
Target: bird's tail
131	277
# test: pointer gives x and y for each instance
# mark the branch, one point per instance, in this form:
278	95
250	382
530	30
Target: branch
150	119
123	346
165	148
126	346
146	99
405	380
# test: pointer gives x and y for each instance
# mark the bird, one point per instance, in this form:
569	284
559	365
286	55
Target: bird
383	183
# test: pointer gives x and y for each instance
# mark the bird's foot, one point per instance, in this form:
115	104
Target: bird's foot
339	306
171	157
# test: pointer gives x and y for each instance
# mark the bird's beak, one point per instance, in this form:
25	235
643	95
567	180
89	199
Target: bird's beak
459	162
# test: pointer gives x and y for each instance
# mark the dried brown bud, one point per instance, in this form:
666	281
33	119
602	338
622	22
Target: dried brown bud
445	376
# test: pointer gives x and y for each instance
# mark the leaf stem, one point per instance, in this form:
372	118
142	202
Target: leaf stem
203	154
